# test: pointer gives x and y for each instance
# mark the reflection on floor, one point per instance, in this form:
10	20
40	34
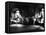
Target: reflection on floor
22	28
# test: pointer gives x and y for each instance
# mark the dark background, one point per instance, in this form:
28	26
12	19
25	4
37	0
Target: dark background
27	10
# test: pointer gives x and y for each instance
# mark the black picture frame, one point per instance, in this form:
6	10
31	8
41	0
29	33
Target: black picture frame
8	7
